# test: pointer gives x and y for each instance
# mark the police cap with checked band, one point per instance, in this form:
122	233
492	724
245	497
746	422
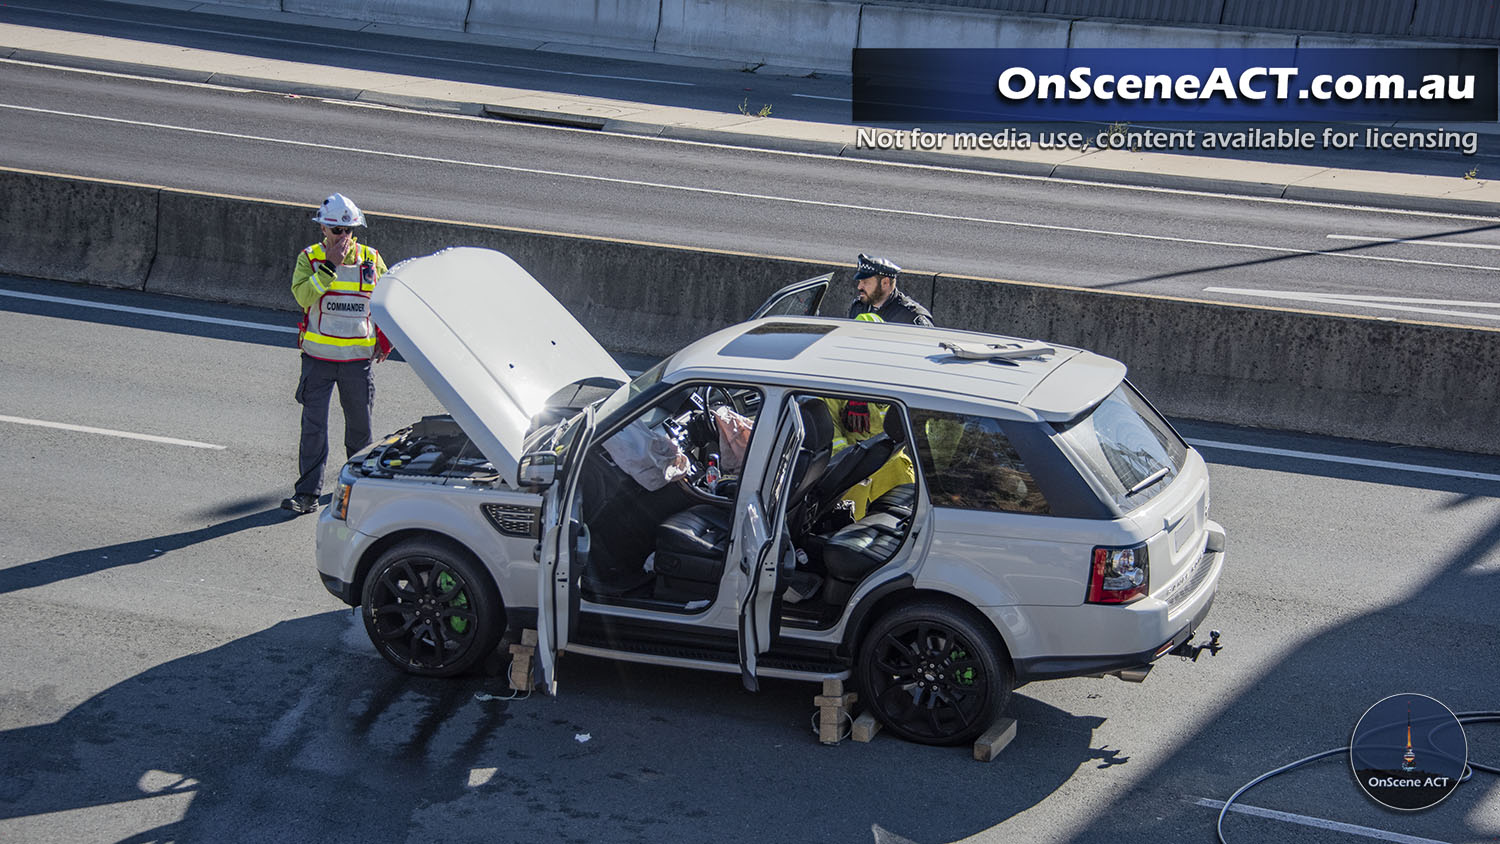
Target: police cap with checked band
871	266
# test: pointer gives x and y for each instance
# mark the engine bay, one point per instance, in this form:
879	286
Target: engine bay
435	447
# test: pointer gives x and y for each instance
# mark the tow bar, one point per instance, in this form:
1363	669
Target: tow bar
1188	650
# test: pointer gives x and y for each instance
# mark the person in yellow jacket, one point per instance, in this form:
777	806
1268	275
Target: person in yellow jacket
854	421
332	284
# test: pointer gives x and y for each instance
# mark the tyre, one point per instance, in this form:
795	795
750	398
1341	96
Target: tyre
934	673
431	609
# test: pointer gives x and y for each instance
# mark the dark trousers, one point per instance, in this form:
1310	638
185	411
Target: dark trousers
356	383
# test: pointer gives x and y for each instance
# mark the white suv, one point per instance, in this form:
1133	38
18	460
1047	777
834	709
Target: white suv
941	514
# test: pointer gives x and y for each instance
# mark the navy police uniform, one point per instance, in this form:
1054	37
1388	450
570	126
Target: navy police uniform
898	307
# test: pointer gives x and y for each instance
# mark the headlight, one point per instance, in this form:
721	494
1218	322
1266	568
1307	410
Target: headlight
340	504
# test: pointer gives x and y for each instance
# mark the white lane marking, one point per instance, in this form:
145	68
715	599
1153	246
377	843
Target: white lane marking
820	203
1382	303
816	97
259	326
1352	461
1415	241
324	46
1319	823
85	429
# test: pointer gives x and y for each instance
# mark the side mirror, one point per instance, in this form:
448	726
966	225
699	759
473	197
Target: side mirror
536	471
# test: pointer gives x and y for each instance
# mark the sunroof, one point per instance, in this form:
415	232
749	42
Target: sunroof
775	340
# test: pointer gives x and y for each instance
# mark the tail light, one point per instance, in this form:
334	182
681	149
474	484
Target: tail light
1119	575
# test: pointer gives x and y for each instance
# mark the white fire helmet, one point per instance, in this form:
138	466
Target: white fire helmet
339	210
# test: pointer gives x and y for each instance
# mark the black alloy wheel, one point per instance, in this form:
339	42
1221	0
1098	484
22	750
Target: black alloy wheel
934	673
431	609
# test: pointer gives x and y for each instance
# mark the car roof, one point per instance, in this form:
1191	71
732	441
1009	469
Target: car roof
902	361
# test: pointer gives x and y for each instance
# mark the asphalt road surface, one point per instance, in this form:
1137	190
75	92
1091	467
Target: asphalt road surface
1266	252
173	670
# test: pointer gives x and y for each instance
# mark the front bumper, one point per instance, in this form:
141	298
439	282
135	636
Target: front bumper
338	552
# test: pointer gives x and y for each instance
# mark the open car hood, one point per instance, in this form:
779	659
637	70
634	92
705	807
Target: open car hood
489	341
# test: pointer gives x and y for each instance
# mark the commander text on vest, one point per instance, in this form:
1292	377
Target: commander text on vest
332	284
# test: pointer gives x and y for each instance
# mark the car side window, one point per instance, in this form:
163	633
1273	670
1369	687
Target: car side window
971	465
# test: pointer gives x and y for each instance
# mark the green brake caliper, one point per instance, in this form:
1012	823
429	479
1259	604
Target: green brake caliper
964	676
445	582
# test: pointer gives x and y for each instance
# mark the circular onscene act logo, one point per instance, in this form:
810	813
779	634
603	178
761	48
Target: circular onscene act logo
1408	752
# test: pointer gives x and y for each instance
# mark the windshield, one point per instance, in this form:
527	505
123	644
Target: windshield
1126	444
643	382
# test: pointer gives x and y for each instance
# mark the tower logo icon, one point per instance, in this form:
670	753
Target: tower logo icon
1420	771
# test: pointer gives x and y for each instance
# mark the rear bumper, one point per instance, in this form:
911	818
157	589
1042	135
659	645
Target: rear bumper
1054	667
1147	629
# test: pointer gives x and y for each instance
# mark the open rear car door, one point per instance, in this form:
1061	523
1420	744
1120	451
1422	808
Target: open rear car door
800	299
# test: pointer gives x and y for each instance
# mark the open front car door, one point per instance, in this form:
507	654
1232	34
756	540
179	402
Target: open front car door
762	546
563	550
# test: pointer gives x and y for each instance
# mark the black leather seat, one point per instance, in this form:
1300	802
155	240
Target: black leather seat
691	547
858	549
852	465
811	463
899	501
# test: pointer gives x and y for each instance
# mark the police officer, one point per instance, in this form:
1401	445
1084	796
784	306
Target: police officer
875	279
332	284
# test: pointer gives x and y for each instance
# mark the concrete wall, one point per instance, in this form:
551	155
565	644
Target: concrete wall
627	24
91	232
906	26
1343	376
819	35
797	33
433	14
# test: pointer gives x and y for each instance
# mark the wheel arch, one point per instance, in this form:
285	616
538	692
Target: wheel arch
901	591
391	540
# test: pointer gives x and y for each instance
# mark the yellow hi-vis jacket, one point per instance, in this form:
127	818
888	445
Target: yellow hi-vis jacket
896	471
335	299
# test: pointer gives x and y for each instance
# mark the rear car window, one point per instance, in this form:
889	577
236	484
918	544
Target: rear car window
1128	446
970	464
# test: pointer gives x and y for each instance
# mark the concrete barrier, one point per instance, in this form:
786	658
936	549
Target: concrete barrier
95	232
1351	377
815	34
433	14
1355	377
925	26
228	249
268	5
627	24
1088	34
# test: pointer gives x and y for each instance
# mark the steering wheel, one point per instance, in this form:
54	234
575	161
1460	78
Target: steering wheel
703	399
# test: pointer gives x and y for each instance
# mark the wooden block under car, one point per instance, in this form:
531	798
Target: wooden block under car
833	687
845	700
520	662
994	740
865	727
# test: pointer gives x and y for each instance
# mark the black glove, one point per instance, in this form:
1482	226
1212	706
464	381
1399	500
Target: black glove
857	417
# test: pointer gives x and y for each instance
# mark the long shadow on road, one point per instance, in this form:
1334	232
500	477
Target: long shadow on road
1437	636
299	733
91	560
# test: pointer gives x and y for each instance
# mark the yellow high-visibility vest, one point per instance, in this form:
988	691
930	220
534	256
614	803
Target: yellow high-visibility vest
337	326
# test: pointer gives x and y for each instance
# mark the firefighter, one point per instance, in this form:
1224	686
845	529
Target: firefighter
855	420
332	284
